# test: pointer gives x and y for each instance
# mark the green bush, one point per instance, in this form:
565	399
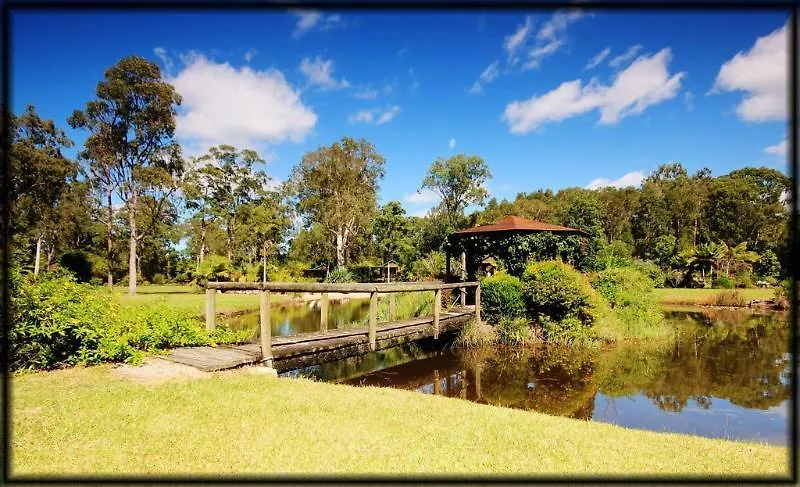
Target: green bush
728	298
783	294
476	334
432	266
558	291
743	279
513	331
339	274
158	278
57	321
79	263
502	297
651	270
723	283
635	310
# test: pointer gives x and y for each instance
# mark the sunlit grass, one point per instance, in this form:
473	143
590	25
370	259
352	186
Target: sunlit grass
705	296
82	421
190	298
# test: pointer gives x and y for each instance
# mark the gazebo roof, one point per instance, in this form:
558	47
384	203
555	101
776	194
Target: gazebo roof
518	224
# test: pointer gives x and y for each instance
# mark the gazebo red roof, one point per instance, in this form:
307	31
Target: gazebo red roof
518	224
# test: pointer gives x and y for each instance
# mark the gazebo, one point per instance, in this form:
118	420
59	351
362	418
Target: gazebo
388	270
509	226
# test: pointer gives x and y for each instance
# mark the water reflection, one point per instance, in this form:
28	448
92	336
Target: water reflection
726	376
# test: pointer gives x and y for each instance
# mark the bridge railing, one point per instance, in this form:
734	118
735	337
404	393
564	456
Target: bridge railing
266	288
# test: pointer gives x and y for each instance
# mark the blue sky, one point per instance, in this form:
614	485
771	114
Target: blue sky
548	99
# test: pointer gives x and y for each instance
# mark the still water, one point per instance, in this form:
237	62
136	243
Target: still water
725	376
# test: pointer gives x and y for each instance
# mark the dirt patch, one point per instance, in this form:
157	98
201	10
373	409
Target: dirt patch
156	370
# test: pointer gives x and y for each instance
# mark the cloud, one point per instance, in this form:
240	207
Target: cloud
778	149
452	143
688	100
598	58
488	75
423	197
623	58
634	178
420	213
644	83
319	72
250	54
309	20
366	94
375	115
549	38
402	52
161	53
242	107
761	73
513	42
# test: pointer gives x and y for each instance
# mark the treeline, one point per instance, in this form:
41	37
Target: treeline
131	208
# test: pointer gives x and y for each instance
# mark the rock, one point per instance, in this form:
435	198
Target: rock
262	370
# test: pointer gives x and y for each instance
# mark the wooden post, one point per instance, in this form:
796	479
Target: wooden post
437	309
373	319
478	302
323	314
463	384
463	278
392	307
210	309
266	329
478	381
437	384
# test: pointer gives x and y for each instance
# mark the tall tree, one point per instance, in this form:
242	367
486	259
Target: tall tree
337	187
41	176
268	221
131	128
459	181
393	231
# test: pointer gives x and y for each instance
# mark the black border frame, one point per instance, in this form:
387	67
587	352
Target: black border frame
173	6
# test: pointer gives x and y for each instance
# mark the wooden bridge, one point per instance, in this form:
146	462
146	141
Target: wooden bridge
290	352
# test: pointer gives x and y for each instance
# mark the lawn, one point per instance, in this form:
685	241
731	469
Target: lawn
702	296
190	298
90	421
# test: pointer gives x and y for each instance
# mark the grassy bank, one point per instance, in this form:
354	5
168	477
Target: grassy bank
699	297
190	298
87	420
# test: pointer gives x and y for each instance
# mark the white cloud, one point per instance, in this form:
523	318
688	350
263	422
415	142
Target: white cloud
488	75
761	73
242	107
549	38
250	54
309	20
452	143
515	41
423	197
374	115
644	83
623	58
366	94
634	178
688	100
161	53
598	58
319	72
778	149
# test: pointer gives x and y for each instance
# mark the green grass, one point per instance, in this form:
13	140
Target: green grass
88	421
189	298
706	296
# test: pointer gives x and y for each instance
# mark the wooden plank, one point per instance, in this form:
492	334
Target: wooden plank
210	309
437	310
266	329
373	319
478	303
323	314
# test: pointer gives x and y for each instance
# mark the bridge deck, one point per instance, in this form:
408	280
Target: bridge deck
306	349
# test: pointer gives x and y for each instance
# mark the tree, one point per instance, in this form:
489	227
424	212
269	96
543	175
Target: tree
40	177
459	181
337	186
393	232
737	256
268	221
130	146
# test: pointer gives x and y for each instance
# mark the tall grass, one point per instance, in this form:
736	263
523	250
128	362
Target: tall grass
727	298
476	334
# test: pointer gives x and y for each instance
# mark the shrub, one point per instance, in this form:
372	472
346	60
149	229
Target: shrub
501	296
475	334
636	313
513	331
557	291
158	278
728	298
432	266
723	283
339	274
79	263
651	270
783	294
743	279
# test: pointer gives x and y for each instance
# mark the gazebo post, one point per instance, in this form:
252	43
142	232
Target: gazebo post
463	277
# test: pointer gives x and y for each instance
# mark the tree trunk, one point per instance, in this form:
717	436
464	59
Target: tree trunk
38	255
264	264
230	245
50	251
202	239
132	255
339	249
109	239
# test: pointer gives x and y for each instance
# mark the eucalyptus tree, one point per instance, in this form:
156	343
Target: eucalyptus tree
268	222
459	181
336	187
130	147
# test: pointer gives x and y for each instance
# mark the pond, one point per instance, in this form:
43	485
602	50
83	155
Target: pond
725	376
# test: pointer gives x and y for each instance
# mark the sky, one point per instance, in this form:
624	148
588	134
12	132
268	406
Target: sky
569	98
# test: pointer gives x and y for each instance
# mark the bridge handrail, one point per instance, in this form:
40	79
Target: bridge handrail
324	287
